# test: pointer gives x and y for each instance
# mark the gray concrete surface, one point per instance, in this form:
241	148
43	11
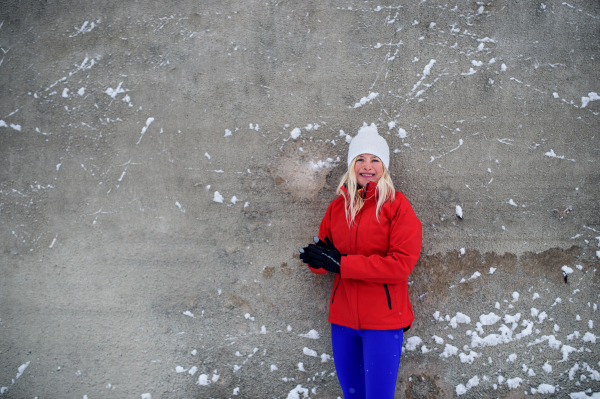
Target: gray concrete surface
122	122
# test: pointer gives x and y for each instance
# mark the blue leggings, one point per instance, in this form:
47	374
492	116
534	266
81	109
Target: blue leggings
366	361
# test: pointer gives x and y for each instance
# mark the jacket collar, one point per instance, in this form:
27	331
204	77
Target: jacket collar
369	190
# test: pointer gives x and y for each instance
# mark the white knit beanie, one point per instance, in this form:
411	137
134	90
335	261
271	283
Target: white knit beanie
368	141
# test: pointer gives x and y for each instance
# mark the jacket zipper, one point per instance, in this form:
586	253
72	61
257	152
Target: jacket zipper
335	290
363	195
358	223
365	190
387	293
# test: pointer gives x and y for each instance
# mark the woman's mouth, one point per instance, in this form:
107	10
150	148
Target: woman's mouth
367	174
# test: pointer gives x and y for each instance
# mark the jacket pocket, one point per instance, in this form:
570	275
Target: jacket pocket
387	293
335	289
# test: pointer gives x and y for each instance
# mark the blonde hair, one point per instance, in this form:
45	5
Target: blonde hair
354	201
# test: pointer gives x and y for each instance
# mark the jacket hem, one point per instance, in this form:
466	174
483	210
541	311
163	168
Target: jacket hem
366	326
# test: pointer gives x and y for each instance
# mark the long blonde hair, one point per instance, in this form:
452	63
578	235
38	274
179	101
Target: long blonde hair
354	201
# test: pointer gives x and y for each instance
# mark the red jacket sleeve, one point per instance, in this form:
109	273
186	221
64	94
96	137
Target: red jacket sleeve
403	253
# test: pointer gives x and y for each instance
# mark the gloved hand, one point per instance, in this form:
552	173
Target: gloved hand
324	256
304	255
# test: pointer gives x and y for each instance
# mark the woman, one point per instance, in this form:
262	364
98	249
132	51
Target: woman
371	239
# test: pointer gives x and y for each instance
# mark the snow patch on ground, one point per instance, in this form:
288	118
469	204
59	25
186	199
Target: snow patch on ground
412	343
312	334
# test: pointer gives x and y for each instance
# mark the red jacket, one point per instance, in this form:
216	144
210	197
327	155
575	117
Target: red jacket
371	291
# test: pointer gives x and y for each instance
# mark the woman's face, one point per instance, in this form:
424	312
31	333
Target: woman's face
367	168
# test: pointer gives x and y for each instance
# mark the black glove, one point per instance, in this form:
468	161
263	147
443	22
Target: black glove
304	255
324	257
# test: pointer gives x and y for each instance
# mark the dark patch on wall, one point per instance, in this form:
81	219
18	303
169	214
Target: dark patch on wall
436	279
302	168
268	271
421	387
418	379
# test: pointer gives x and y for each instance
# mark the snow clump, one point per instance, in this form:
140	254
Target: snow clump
412	343
312	334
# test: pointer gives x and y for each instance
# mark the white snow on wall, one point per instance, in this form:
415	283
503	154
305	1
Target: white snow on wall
366	99
590	97
217	197
295	133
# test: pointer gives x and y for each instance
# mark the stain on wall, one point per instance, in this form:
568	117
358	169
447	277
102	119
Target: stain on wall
301	169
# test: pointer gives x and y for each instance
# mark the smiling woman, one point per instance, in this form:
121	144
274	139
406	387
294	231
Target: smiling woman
377	240
367	168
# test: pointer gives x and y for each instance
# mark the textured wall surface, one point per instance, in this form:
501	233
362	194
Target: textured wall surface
161	162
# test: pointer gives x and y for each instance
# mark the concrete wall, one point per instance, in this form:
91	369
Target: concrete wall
122	123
